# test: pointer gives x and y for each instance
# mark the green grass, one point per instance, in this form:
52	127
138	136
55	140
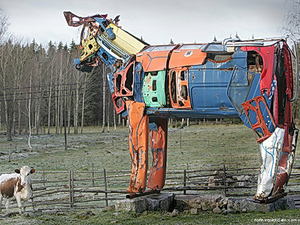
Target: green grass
193	148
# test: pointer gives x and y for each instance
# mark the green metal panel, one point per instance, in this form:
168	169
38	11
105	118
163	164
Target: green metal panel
154	89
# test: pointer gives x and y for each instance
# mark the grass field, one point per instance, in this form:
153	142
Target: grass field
194	147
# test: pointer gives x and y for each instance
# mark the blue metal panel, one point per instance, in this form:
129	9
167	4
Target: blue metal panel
138	82
243	86
103	23
183	113
82	67
107	58
208	84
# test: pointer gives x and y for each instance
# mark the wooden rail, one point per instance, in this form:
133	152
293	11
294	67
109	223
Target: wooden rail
79	189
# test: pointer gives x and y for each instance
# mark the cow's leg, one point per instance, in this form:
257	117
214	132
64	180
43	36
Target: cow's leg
7	206
138	145
158	132
18	199
1	202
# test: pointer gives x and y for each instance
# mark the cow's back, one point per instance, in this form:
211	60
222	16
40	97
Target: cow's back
7	184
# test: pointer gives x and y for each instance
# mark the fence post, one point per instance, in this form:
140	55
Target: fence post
93	175
9	154
180	139
105	185
184	181
44	177
71	182
224	179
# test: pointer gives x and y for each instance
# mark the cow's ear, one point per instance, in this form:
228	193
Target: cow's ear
17	170
32	170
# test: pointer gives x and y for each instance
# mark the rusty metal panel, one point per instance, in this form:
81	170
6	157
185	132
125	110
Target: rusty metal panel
124	81
250	79
243	86
267	53
286	163
259	117
119	103
158	133
178	88
138	146
90	47
154	89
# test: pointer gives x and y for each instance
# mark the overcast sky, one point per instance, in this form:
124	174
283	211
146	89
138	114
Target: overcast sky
157	21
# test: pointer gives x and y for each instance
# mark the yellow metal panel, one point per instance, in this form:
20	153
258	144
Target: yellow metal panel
126	41
90	46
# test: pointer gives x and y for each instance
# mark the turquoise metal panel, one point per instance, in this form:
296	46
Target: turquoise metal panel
154	89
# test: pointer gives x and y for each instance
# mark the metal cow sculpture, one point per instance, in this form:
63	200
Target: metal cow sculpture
252	80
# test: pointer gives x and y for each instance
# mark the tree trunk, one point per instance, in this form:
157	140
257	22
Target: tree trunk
114	115
49	104
103	96
76	106
83	101
29	115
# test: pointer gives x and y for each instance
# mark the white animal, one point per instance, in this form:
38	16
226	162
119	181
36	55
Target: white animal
16	186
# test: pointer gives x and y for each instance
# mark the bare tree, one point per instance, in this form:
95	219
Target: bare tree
49	81
292	19
5	60
76	101
103	97
3	27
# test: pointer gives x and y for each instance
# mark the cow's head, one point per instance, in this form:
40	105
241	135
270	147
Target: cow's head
25	172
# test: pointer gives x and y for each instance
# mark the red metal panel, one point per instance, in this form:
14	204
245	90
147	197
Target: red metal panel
282	174
124	81
259	117
118	103
288	71
267	53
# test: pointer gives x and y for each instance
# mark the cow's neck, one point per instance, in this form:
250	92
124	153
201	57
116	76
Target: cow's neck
23	190
20	187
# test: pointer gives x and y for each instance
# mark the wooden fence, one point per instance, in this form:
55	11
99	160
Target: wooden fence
53	190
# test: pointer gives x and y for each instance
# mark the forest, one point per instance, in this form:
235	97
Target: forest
40	89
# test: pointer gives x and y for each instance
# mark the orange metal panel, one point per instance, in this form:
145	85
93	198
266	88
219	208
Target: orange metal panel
158	145
186	57
138	146
153	61
178	88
